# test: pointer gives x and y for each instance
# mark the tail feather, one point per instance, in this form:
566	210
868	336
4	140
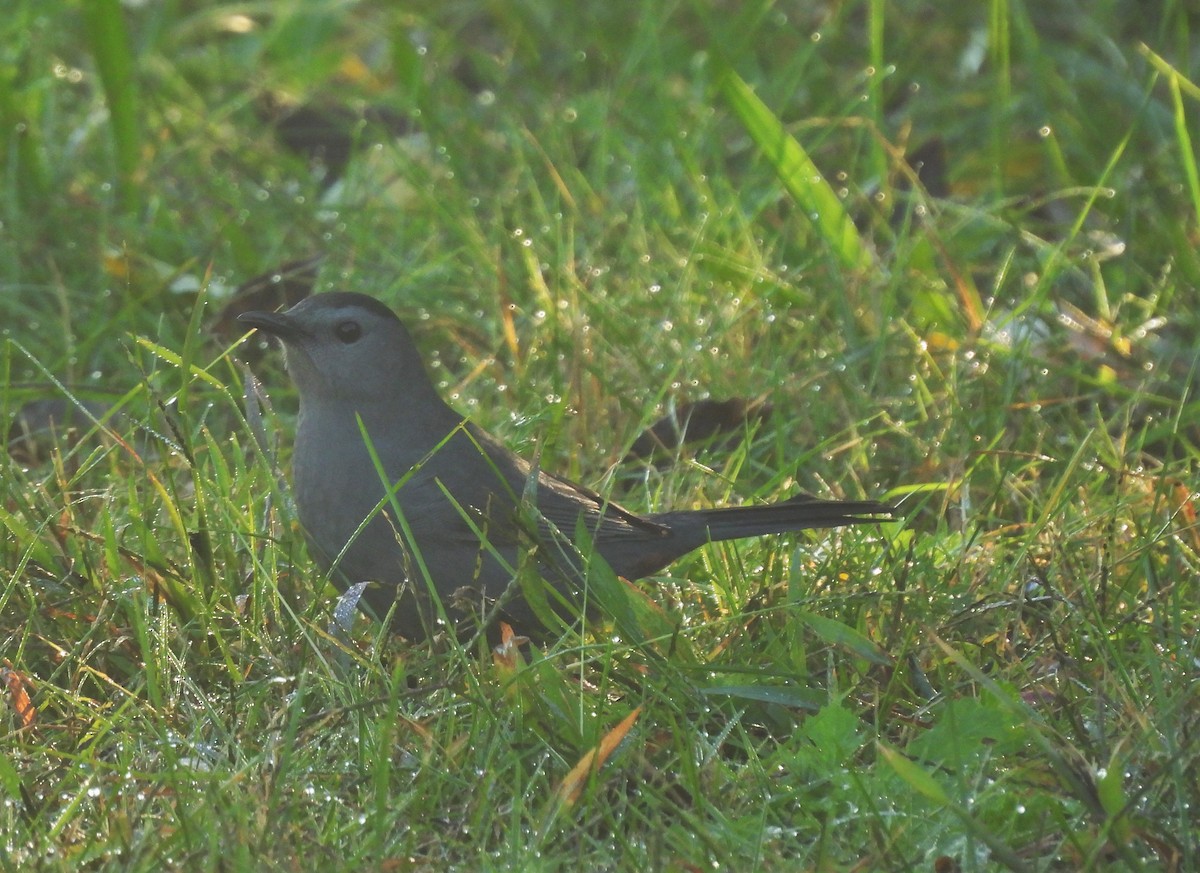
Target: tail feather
802	512
677	533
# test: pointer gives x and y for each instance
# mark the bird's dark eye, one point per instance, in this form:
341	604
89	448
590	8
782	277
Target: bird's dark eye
348	331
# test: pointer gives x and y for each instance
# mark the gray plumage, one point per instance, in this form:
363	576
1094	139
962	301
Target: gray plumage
462	491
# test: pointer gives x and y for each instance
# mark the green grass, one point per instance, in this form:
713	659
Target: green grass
608	210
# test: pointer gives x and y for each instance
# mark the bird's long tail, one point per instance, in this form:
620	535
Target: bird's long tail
799	513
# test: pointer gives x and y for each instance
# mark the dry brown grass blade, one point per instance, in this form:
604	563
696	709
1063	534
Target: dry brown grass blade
572	785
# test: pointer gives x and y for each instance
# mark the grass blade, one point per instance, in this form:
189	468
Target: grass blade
109	42
796	170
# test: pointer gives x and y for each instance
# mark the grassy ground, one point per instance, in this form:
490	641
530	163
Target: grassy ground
588	216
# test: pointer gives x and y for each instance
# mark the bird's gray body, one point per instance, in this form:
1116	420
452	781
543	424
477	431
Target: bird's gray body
470	508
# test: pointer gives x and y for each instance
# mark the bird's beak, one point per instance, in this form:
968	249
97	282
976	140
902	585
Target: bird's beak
278	324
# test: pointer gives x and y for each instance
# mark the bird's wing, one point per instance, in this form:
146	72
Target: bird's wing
561	503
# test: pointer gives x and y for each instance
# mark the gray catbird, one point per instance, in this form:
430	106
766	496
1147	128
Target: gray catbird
466	503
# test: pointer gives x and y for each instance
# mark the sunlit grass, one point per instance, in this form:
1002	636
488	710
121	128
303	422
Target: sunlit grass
953	252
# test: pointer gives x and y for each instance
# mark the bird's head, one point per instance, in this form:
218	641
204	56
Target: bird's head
345	347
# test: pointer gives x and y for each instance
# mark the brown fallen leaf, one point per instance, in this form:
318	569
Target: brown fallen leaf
327	135
284	286
17	695
699	421
39	425
572	785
